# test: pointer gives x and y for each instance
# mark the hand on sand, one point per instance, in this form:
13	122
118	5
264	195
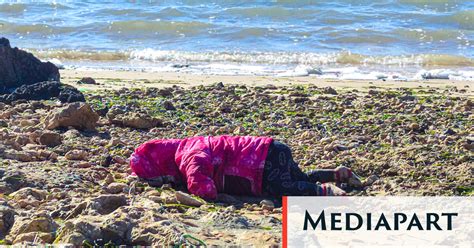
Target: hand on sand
333	190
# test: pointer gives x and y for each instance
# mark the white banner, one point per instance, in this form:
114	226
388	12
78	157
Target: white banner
378	221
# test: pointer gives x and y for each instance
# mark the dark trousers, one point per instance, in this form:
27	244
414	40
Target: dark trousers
282	176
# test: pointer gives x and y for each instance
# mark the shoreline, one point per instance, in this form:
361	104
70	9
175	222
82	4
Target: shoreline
111	79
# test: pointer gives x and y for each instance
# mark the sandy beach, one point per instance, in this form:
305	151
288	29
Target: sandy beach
108	79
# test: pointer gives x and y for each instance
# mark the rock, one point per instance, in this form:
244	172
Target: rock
76	155
115	188
106	160
123	116
370	180
106	204
50	139
86	80
42	224
227	219
70	94
34	237
29	193
11	181
239	130
414	126
45	91
225	108
134	120
165	92
187	199
18	67
267	205
7	218
329	90
83	165
109	179
3	123
407	98
78	115
18	155
115	141
168	105
449	131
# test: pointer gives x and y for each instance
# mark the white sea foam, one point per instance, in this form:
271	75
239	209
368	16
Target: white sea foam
446	74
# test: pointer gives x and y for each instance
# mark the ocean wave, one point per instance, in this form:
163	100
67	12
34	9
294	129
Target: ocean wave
12	8
269	58
162	27
274	12
43	29
465	19
77	55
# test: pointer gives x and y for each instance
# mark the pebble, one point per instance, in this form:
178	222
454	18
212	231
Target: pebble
115	188
76	155
267	205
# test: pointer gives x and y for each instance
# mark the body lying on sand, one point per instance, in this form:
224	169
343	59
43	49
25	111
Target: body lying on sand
238	165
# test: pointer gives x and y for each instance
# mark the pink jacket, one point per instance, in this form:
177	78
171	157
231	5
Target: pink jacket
229	164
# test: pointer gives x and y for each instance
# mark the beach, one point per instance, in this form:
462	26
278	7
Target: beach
402	138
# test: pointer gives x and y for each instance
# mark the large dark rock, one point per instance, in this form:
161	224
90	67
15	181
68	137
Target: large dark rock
18	68
44	91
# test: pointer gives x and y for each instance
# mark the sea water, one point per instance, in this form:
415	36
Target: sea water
348	39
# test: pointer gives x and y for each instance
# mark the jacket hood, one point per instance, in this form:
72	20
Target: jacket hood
156	158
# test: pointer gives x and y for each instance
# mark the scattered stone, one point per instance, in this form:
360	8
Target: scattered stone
239	130
86	80
3	123
28	192
22	225
187	199
50	139
34	237
267	205
76	155
106	204
414	126
407	98
109	179
7	218
370	180
115	188
83	165
168	105
70	94
45	91
77	115
450	131
165	92
106	160
11	181
137	120
18	155
329	90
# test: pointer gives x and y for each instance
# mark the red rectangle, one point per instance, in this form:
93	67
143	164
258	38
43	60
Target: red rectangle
285	222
